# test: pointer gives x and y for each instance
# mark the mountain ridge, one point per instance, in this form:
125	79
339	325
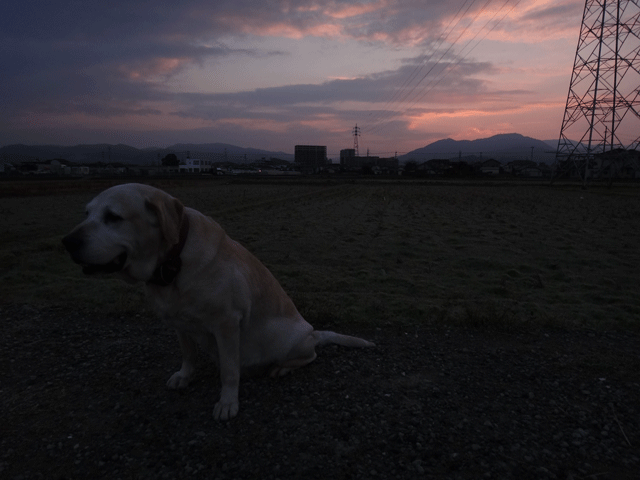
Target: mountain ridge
121	153
502	147
505	146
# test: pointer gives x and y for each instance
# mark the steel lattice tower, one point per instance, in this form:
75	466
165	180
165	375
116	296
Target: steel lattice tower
356	134
601	125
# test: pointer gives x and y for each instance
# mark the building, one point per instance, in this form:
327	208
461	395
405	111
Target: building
80	170
6	168
195	165
387	166
347	157
490	167
310	158
617	163
434	167
349	161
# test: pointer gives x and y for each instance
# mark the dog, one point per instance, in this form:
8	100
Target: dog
212	290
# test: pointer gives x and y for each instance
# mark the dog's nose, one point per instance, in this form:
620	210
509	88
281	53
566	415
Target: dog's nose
72	242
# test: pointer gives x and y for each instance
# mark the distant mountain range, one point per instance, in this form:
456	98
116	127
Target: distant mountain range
233	152
131	155
504	147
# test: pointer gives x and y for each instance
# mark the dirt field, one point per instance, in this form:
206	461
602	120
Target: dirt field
506	318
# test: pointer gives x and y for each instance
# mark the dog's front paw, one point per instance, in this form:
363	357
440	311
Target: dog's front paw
178	380
225	411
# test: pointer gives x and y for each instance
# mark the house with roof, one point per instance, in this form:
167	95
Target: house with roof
7	168
617	163
434	167
490	167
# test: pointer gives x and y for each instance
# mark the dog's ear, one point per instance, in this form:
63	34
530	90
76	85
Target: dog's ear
169	212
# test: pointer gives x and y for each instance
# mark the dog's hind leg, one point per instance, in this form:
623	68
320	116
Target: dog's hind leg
302	354
286	367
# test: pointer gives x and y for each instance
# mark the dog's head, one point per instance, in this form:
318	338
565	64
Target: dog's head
128	230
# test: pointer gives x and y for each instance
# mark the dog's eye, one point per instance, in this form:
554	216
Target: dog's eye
110	217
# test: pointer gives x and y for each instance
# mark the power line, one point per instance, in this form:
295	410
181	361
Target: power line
434	82
427	56
444	38
444	72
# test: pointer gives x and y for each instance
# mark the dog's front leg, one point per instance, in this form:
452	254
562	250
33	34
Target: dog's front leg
189	349
228	340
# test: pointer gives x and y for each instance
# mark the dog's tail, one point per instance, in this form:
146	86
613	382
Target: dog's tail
324	337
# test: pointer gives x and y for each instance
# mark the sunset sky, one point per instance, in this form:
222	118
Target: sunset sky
275	73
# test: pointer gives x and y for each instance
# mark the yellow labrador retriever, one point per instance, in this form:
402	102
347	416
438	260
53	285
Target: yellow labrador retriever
201	282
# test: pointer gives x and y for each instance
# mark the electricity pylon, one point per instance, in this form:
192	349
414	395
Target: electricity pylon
356	134
601	125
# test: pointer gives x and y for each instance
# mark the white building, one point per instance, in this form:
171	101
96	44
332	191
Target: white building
195	165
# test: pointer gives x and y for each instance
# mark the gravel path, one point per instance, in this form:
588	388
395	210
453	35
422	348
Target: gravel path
84	397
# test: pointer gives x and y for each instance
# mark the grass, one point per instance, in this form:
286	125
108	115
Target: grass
378	252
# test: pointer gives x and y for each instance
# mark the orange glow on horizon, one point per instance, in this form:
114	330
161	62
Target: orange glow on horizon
426	120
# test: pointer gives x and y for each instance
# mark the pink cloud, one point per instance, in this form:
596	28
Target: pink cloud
341	12
408	24
152	68
284	28
540	20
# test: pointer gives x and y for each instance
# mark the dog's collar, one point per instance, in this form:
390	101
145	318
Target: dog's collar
168	270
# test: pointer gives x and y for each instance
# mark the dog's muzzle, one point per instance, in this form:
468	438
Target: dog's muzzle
74	245
113	266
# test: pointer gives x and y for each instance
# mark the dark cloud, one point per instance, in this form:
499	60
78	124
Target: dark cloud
291	102
58	55
113	59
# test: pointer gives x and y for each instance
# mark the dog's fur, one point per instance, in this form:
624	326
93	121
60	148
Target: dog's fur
223	298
